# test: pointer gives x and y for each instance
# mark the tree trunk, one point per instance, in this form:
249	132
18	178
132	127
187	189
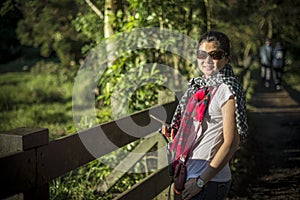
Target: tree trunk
208	15
270	27
109	11
110	7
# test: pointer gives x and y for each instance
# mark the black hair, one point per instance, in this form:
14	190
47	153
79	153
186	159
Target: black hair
221	38
268	40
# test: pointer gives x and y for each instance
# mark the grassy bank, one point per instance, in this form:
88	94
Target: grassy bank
36	99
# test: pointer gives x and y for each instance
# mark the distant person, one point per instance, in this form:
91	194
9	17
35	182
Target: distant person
278	63
265	57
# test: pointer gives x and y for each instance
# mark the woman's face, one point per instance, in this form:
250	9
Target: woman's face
211	58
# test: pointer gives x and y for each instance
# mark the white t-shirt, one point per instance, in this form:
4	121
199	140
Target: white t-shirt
210	137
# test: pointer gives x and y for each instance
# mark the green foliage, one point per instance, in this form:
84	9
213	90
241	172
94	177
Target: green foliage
41	98
91	26
291	76
48	26
9	46
62	74
135	89
80	183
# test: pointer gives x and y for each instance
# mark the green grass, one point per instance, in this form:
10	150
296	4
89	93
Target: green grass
35	100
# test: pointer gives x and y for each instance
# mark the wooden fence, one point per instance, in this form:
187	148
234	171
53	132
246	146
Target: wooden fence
28	161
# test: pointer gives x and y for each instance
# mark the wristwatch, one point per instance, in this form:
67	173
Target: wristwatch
200	182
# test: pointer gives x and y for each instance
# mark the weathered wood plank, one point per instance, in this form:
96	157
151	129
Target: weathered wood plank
61	156
65	154
149	188
38	193
127	163
17	173
22	139
34	168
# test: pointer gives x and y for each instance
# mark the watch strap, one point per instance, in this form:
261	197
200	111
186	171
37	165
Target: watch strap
200	182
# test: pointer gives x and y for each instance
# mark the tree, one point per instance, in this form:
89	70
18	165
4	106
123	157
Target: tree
48	26
9	17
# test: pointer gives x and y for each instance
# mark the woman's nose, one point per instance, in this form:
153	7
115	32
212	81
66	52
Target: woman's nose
209	59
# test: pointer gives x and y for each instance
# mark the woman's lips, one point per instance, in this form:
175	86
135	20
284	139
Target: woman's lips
210	67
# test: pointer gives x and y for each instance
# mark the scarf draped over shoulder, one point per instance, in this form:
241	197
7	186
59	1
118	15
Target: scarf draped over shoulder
226	76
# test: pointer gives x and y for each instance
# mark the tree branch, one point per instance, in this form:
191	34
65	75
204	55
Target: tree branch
94	8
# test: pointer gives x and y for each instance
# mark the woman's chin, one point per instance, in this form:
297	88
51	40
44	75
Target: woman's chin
209	72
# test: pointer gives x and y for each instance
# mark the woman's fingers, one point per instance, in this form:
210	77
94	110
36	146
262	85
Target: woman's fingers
164	131
172	133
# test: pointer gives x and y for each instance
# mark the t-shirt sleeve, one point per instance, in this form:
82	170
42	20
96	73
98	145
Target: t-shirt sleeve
224	93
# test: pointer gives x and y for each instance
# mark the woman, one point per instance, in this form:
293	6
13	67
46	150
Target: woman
209	121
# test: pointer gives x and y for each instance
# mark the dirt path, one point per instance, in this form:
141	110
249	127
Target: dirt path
271	169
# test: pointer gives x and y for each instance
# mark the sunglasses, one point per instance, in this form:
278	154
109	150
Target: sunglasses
215	55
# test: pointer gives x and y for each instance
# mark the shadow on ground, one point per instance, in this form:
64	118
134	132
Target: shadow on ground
269	166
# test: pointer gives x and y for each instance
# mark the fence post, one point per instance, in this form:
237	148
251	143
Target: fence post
166	96
18	140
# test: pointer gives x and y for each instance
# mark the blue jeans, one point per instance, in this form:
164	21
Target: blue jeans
213	190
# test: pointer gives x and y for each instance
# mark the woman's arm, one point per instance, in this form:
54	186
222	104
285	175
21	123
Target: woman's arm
223	155
230	144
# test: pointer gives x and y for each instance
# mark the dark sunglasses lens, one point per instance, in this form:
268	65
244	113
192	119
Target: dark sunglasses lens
202	54
217	55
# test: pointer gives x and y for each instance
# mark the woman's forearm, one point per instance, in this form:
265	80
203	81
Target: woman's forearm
222	157
230	142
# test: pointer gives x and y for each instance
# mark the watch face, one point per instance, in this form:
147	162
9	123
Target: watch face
200	182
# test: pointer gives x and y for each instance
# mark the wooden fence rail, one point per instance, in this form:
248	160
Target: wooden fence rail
28	161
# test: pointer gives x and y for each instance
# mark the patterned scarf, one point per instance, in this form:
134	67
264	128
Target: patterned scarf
190	123
179	121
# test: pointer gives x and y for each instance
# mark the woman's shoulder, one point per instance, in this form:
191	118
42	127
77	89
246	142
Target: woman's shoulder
223	86
223	89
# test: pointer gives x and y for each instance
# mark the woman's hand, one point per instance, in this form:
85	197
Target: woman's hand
190	189
168	132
